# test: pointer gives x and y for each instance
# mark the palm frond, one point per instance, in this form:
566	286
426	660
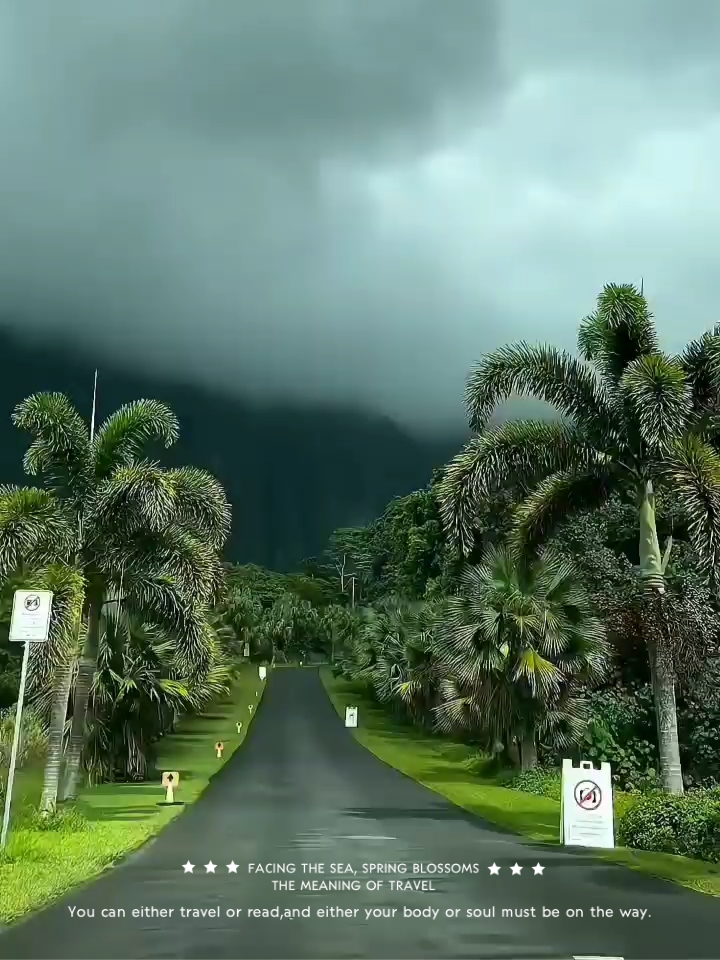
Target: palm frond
556	497
692	470
701	362
517	452
560	379
135	499
68	588
35	529
60	450
620	331
657	392
123	438
201	504
189	562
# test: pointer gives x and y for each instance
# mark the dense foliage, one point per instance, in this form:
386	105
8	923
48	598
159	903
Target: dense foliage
521	602
631	462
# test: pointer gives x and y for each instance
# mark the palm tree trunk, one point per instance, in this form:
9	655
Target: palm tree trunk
528	753
662	673
662	669
81	696
56	735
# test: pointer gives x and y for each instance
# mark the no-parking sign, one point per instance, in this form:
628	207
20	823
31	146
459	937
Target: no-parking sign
586	815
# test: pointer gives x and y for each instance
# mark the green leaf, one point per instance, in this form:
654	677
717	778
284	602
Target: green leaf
124	437
556	377
659	396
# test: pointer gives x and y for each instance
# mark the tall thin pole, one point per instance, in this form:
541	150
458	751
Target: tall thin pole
15	746
94	404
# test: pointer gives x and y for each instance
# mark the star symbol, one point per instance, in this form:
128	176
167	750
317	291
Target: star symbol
537	869
188	867
232	867
515	870
210	867
494	869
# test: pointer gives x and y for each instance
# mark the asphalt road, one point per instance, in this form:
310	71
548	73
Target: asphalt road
302	790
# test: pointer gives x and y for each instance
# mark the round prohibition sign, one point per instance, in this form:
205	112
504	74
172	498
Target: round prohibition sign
32	603
588	795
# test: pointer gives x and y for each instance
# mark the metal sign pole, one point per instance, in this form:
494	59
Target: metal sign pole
15	746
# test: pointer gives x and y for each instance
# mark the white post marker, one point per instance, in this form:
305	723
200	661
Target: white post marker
586	806
30	623
262	672
246	650
219	747
171	781
238	726
351	716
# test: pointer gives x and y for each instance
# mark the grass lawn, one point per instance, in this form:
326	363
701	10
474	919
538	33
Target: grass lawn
448	769
41	865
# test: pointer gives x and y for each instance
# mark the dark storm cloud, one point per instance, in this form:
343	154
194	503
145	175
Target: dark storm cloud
335	199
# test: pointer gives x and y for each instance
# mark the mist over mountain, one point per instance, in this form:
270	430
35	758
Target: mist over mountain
293	473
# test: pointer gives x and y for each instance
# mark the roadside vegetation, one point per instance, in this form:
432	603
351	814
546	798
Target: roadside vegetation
553	592
47	856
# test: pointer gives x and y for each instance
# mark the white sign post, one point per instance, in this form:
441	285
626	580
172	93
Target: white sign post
246	650
30	623
262	672
586	807
351	716
171	781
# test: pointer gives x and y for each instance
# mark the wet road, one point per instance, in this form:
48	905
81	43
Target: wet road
303	791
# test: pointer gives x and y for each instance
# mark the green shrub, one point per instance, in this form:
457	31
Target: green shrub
688	825
542	781
621	732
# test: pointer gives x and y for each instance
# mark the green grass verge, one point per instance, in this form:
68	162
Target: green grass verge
115	818
450	769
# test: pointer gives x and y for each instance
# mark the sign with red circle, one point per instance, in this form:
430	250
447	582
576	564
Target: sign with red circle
588	795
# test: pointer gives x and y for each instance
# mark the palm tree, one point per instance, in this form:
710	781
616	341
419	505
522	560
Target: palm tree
148	536
517	644
33	535
633	420
137	695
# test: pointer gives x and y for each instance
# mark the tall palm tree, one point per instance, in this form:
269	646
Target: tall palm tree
516	645
134	531
633	419
33	535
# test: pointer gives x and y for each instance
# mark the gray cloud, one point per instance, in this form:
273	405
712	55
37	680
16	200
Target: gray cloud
335	199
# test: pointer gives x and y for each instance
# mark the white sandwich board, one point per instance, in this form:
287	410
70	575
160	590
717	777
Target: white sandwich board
586	807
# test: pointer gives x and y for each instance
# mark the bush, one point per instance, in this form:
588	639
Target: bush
688	825
542	781
622	733
699	722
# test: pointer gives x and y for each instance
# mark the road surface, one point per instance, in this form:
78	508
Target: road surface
302	790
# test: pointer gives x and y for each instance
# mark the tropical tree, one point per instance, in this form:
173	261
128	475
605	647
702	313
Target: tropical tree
33	535
391	651
517	647
137	533
137	694
633	420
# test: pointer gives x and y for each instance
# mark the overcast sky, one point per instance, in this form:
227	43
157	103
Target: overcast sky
354	199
